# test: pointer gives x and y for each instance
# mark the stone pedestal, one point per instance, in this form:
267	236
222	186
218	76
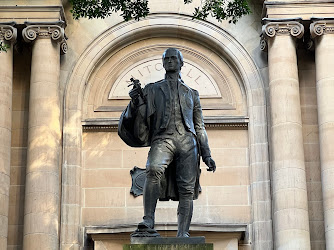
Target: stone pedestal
115	237
168	240
205	246
166	243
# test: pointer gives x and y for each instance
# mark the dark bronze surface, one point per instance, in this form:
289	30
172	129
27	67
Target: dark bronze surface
138	176
167	116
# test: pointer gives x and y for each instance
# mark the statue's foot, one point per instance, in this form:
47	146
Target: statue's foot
183	235
145	225
147	232
146	228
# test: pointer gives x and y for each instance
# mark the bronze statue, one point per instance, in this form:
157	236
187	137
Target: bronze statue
167	116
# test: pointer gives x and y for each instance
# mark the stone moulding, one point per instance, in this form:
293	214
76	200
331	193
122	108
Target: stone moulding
32	13
305	9
110	125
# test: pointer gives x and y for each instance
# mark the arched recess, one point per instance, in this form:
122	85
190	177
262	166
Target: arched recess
159	25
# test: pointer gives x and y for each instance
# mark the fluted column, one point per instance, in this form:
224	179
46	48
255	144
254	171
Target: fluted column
323	33
290	207
7	37
41	213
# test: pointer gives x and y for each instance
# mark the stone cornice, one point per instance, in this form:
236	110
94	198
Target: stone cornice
8	32
305	9
321	26
33	13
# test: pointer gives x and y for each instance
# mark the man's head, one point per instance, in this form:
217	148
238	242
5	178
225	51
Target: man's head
172	60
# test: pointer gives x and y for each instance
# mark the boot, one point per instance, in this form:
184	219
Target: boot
182	221
190	216
151	195
184	215
147	223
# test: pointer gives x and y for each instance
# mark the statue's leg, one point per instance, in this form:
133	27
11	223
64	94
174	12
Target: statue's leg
186	173
159	157
190	215
184	215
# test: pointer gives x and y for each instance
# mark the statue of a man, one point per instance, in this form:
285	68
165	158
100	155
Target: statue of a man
167	116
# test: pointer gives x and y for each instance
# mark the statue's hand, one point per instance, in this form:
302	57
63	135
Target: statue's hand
210	163
134	94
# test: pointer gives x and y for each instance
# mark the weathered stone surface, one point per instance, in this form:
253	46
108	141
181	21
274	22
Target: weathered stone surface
208	246
168	240
291	227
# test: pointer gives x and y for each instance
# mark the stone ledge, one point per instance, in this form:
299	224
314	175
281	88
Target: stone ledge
100	231
111	124
21	14
102	237
305	9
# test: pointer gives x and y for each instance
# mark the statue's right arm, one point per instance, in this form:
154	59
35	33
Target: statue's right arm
134	122
139	109
140	129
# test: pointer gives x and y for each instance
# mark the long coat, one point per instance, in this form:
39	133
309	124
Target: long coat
138	125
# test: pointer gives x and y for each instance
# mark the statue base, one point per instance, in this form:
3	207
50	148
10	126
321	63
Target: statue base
168	243
168	240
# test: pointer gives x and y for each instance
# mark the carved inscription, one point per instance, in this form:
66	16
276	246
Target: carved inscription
151	70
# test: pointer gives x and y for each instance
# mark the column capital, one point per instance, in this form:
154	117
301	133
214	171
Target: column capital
321	26
44	30
63	47
8	32
282	28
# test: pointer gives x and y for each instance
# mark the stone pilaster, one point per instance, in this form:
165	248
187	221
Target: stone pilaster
323	33
41	215
7	37
290	207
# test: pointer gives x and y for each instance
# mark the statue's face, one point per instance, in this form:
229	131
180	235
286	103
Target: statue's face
171	61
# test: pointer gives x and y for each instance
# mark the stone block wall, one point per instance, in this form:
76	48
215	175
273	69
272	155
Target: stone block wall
106	182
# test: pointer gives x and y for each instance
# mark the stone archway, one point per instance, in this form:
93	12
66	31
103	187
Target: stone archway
180	27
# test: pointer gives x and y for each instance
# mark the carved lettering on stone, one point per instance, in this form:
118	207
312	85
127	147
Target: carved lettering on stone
151	70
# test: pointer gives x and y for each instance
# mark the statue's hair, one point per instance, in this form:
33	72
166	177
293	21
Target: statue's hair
179	54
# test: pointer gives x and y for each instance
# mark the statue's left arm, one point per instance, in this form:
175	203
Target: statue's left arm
201	134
